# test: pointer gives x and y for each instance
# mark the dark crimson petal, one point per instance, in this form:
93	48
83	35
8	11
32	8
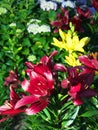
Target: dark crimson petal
37	85
95	4
86	78
88	93
57	23
83	13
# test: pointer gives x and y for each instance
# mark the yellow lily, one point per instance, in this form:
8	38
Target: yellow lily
72	60
70	41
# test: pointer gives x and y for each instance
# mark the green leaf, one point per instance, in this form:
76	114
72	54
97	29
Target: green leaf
71	116
47	114
26	42
18	50
90	113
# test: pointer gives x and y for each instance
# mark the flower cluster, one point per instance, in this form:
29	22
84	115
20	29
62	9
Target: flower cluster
82	12
34	27
70	42
41	85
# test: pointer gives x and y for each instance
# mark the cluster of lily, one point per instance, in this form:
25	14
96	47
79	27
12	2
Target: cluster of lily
81	14
70	42
42	81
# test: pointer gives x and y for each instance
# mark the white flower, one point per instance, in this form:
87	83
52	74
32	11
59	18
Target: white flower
34	28
48	5
68	3
3	10
44	28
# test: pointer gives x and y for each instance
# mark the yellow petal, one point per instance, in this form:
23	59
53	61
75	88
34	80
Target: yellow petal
62	34
72	61
85	40
58	43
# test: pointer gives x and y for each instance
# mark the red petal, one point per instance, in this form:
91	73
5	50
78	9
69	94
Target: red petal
29	65
44	60
75	88
60	67
26	100
91	63
64	83
12	112
13	95
77	102
36	107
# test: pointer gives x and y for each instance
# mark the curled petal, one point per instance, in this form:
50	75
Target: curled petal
13	95
26	100
60	67
29	65
44	60
36	107
91	63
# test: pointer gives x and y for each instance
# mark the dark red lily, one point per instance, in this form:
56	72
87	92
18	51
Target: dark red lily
62	21
12	79
83	13
8	109
95	4
79	84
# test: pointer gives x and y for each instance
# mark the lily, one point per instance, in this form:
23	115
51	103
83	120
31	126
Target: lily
40	84
70	41
78	84
8	109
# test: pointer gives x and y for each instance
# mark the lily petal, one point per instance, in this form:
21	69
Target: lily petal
26	100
